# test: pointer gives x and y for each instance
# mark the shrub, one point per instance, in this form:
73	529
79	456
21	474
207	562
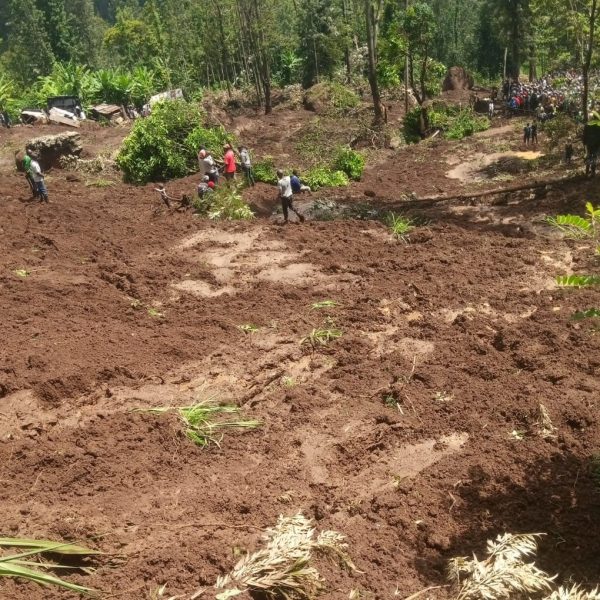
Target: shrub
411	126
165	144
323	177
265	170
156	148
227	204
350	162
455	123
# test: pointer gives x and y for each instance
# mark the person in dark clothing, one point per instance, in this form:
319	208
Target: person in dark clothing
534	137
527	134
569	153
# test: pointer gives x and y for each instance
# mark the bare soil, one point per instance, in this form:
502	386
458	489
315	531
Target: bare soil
415	434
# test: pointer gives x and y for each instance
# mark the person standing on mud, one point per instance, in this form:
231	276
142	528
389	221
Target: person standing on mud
286	196
229	163
534	137
246	165
27	168
526	134
38	178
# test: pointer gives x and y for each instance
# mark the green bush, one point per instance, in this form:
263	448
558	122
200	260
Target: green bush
323	177
350	162
156	148
226	203
165	144
454	122
343	98
265	171
411	126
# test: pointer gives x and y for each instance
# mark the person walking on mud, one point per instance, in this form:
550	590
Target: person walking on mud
286	196
246	163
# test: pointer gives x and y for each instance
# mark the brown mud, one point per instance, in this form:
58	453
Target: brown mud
415	434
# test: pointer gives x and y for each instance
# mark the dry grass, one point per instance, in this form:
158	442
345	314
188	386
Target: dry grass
503	574
284	568
544	423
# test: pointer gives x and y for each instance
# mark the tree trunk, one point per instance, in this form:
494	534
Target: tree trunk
588	61
406	71
532	63
371	19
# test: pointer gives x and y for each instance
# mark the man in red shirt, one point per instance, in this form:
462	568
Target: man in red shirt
229	160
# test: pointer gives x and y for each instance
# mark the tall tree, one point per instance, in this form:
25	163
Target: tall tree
29	51
373	9
587	61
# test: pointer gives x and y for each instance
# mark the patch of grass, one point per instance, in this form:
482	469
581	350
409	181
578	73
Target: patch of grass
400	226
100	183
15	565
154	312
321	336
443	397
390	401
226	204
248	328
22	273
324	304
203	422
288	382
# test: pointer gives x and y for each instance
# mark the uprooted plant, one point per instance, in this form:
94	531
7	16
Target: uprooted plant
321	336
204	421
19	565
284	568
506	574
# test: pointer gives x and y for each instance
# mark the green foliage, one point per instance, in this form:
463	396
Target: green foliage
15	565
572	226
155	149
350	162
559	130
401	226
578	280
591	313
321	336
324	304
456	123
265	170
412	126
319	177
226	204
204	421
7	90
212	138
342	97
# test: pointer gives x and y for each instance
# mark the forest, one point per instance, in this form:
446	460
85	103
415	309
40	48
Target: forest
124	50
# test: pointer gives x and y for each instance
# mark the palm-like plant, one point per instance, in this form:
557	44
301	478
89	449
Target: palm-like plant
7	90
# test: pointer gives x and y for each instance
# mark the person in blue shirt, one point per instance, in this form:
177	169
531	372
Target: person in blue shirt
297	186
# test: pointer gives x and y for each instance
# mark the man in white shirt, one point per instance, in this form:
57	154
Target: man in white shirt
38	180
286	196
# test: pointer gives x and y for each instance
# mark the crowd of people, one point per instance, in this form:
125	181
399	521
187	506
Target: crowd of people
211	170
557	92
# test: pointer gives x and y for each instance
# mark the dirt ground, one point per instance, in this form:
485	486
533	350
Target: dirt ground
416	434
